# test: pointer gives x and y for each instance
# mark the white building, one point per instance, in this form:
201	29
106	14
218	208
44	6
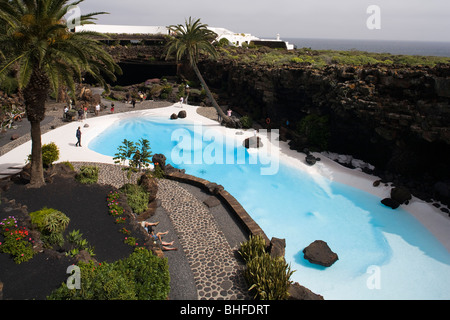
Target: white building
288	45
237	39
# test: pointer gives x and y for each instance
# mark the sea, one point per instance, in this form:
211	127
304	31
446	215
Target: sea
440	49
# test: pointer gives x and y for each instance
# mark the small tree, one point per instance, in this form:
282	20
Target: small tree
125	152
138	156
142	155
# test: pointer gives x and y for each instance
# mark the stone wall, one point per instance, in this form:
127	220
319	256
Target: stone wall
394	117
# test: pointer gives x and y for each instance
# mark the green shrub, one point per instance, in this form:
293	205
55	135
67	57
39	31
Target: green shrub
79	243
157	172
224	42
316	129
88	175
50	154
51	223
68	164
269	278
255	246
137	197
149	273
296	60
246	122
141	276
101	281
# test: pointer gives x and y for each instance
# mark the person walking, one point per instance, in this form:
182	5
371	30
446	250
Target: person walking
97	109
78	135
133	102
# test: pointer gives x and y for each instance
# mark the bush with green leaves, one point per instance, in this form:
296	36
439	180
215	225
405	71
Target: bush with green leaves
255	246
69	165
50	154
51	223
316	129
246	122
75	238
149	273
268	277
137	197
141	276
88	175
157	171
137	154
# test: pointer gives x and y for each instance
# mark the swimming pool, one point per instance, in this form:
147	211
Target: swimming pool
383	254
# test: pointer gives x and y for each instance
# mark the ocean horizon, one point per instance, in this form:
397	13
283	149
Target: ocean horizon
421	48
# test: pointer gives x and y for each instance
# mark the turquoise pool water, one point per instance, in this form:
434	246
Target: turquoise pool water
383	254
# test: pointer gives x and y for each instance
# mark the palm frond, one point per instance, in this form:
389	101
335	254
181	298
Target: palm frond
36	36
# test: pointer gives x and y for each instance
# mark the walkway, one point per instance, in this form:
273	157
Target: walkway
217	272
207	265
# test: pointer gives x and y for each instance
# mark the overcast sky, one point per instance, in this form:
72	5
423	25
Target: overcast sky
415	20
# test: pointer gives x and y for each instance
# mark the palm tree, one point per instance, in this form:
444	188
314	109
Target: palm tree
47	55
190	40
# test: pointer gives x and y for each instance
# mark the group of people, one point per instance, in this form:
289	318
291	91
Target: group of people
157	238
132	100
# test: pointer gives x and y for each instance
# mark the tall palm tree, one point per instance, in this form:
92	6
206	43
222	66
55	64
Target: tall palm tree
47	55
190	40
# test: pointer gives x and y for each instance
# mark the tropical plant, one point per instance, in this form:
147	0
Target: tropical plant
124	153
142	155
157	172
38	44
137	154
192	39
79	243
253	247
141	276
246	122
51	223
88	175
137	197
50	154
268	277
316	129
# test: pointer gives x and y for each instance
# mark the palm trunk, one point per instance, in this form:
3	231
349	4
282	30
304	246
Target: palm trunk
37	167
209	94
35	95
